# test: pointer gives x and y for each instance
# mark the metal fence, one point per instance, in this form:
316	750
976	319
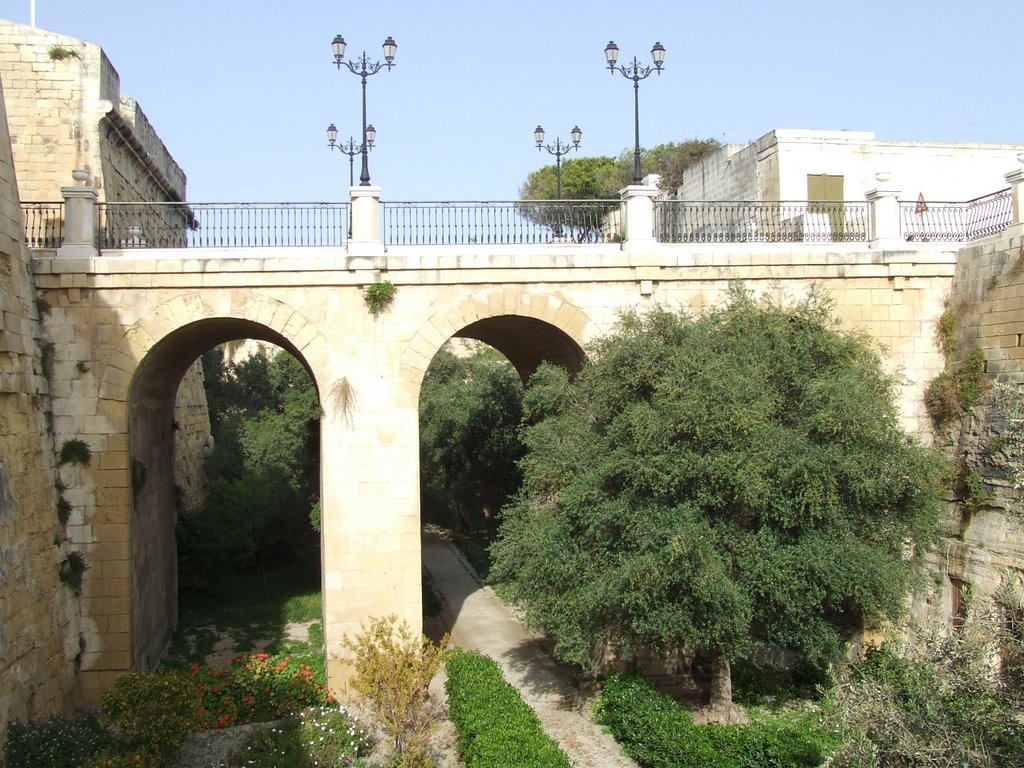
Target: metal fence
222	225
44	224
684	221
957	222
255	225
505	222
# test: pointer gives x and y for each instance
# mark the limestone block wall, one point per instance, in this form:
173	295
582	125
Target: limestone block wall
983	547
40	620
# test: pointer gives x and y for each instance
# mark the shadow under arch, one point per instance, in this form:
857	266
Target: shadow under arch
527	342
528	327
151	427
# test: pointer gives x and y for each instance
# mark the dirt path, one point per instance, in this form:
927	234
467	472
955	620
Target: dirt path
479	620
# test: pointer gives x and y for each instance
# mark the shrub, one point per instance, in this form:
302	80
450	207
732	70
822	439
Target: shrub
151	713
257	687
657	733
943	706
495	726
54	743
392	671
320	736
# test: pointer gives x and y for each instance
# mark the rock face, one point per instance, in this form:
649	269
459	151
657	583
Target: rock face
981	555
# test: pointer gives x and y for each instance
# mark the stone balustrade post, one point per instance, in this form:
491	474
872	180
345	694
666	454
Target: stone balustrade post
365	239
1015	179
79	238
638	219
884	214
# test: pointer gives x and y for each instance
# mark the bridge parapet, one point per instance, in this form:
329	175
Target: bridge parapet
635	222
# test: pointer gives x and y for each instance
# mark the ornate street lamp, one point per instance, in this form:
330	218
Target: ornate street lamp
350	147
636	73
364	68
558	149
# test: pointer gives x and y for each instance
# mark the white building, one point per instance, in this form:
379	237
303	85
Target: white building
841	165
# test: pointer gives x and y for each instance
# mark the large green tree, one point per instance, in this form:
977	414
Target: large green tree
729	482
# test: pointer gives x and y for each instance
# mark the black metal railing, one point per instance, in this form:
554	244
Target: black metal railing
222	225
505	222
684	221
957	222
44	224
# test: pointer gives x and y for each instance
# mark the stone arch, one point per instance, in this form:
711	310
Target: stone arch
527	326
163	344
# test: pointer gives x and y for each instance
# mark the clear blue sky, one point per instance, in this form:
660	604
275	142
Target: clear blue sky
242	92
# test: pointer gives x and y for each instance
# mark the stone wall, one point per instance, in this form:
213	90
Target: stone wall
981	557
39	617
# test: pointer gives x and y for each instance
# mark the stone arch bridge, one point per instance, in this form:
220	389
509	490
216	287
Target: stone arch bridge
127	323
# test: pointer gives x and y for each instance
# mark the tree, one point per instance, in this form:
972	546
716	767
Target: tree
470	409
670	161
601	178
726	483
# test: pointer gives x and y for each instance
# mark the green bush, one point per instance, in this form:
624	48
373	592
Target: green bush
150	713
54	743
657	733
495	726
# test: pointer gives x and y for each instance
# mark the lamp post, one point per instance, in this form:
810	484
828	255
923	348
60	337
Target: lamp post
364	68
350	147
558	149
636	73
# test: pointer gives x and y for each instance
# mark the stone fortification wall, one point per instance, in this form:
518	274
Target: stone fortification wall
39	617
981	557
66	111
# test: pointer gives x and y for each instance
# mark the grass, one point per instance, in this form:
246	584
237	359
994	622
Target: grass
250	607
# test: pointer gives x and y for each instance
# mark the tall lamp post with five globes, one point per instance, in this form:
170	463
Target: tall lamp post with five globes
636	73
363	67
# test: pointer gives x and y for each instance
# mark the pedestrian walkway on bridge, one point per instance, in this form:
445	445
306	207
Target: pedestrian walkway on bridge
478	620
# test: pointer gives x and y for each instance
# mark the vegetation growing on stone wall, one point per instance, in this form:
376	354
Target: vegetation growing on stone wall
63	510
957	389
46	353
61	53
75	451
72	569
379	296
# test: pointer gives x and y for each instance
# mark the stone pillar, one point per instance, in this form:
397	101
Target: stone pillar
79	218
638	226
365	239
1016	181
369	502
884	214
